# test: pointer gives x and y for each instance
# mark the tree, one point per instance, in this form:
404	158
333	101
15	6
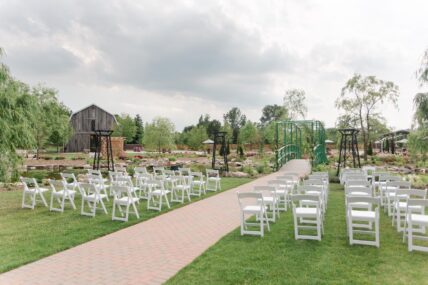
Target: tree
139	130
248	134
360	98
213	127
52	119
196	136
159	134
236	120
294	103
125	128
422	72
421	109
272	113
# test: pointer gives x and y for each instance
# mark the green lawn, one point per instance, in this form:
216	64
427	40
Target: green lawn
279	259
27	235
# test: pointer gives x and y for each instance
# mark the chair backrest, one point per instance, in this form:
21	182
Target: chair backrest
29	183
156	184
306	197
405	194
277	183
94	172
291	178
68	177
316	182
359	191
368	169
140	170
362	183
212	173
362	199
197	176
398	184
120	191
86	189
56	185
250	199
303	189
185	171
267	191
124	181
417	202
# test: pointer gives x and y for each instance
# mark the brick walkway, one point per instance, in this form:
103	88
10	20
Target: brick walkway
147	253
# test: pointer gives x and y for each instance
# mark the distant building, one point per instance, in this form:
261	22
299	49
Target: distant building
84	124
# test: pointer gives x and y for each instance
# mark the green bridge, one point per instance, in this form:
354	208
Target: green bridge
297	138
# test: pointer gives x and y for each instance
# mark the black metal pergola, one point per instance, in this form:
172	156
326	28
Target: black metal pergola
99	134
220	138
348	144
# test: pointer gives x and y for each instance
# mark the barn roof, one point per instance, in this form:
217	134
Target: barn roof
74	113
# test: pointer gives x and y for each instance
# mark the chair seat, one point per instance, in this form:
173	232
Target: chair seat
160	192
199	182
61	192
306	212
214	178
32	190
281	192
363	215
359	204
356	193
403	206
253	209
94	197
419	219
126	200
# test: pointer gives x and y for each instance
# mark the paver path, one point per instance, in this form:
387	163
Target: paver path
147	253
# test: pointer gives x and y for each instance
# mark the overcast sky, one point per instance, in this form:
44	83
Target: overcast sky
180	59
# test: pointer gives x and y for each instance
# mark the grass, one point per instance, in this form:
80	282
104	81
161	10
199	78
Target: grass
28	235
279	259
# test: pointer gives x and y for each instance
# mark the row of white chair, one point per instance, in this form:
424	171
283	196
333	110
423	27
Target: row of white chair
406	206
162	186
308	200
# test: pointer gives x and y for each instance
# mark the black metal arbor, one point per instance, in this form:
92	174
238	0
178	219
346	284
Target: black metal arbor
220	138
99	134
348	144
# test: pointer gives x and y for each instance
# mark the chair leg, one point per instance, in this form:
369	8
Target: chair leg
410	236
104	207
43	199
135	210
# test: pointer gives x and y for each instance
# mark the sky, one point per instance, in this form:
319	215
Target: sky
181	59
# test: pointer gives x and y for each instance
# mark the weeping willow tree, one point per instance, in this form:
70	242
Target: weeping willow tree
29	118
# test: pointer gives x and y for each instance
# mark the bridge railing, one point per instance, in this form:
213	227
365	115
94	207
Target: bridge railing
286	153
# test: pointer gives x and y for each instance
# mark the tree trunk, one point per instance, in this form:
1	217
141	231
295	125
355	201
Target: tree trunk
363	132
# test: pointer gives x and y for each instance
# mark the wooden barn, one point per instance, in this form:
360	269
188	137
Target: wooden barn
84	123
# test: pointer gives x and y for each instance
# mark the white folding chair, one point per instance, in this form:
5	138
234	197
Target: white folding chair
69	180
198	184
282	192
92	198
213	180
139	170
368	171
99	184
181	189
270	199
157	194
400	205
314	190
307	217
141	181
360	220
389	193
123	197
252	204
319	183
291	181
61	193
158	171
418	220
127	181
32	189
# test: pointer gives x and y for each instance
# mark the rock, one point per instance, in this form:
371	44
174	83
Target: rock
238	174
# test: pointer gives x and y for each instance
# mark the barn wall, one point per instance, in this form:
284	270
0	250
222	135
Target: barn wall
82	126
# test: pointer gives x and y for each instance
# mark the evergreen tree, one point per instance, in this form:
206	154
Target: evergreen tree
139	130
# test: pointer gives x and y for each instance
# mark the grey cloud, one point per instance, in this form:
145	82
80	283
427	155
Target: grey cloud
153	47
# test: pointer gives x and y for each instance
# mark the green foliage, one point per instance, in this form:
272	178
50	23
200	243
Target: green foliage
418	144
126	128
421	106
196	136
271	113
139	130
29	118
294	103
159	134
422	73
249	134
360	98
236	121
